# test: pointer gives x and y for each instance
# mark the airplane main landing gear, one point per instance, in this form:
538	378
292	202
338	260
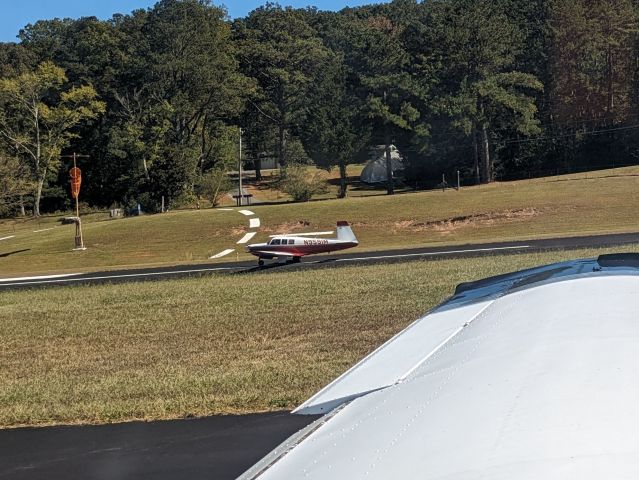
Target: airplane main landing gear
297	259
260	262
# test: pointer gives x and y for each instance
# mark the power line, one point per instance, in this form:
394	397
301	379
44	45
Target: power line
594	132
547	125
467	144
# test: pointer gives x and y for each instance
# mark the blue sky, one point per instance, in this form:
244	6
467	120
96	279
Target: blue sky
15	14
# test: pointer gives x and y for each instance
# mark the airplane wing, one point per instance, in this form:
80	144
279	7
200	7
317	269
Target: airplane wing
275	253
524	376
309	234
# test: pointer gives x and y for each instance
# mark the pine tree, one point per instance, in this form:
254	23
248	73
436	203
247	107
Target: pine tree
478	44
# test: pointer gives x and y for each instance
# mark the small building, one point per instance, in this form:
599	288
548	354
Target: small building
375	169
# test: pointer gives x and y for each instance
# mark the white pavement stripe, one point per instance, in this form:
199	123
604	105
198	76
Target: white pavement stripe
42	277
7	238
43	230
449	252
254	223
247	237
128	275
248	213
225	209
221	254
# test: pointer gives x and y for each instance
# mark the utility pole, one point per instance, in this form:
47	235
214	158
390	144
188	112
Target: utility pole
390	183
239	169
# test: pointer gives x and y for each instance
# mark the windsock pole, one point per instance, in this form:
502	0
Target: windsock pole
79	241
76	181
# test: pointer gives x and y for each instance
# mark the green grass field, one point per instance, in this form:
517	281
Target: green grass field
596	202
221	344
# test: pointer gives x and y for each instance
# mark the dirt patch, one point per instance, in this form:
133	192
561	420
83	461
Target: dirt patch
481	219
288	227
235	231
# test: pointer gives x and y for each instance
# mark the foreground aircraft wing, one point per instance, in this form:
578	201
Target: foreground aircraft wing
524	376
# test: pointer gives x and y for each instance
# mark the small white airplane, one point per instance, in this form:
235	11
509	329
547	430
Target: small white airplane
293	247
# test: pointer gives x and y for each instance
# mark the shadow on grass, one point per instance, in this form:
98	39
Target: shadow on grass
4	255
594	177
278	265
257	268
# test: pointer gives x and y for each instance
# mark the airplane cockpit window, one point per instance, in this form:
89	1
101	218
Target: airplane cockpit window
276	241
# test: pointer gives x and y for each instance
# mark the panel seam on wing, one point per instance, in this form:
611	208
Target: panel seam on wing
436	391
394	388
378	351
441	345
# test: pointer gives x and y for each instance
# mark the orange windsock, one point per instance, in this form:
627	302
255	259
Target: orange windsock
76	181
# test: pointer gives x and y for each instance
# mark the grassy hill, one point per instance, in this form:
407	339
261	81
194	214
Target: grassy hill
597	202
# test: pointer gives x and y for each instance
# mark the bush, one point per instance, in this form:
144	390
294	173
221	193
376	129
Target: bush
214	185
148	203
301	183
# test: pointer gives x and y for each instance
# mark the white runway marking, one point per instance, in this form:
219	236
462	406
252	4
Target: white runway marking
247	237
225	209
43	230
108	277
221	254
7	238
254	223
41	277
248	213
430	254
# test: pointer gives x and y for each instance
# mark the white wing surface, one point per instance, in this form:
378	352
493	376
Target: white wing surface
526	376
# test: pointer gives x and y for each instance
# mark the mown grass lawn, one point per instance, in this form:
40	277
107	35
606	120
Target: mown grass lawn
557	206
230	343
580	204
171	238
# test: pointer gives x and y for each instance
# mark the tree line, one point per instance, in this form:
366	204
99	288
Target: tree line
156	98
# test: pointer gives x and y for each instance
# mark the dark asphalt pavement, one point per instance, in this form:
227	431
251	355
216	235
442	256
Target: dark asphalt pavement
350	258
210	448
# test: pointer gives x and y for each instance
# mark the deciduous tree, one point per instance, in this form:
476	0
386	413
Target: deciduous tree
38	117
15	182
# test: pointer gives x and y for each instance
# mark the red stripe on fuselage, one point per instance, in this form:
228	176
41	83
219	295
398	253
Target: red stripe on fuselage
301	250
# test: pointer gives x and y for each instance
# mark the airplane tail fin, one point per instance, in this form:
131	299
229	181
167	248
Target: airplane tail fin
345	233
